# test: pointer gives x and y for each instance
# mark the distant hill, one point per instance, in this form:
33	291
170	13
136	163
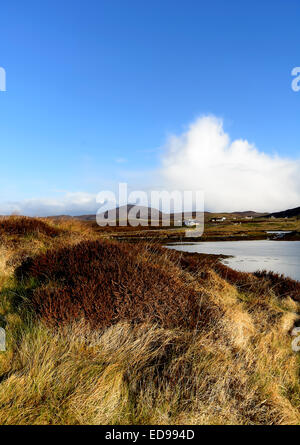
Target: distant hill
156	214
58	217
159	216
290	213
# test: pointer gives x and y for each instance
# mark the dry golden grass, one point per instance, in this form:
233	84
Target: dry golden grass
238	368
149	375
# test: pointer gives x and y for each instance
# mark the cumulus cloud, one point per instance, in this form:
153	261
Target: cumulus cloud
234	175
70	204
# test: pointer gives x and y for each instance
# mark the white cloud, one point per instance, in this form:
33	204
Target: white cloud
234	175
70	204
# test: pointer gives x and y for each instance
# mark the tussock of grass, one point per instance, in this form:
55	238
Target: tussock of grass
147	374
106	333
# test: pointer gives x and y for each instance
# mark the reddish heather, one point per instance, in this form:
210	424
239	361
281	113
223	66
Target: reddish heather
258	283
107	282
26	226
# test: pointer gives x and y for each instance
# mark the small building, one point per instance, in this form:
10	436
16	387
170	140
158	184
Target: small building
191	222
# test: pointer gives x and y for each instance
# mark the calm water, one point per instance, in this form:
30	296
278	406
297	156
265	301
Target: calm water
250	256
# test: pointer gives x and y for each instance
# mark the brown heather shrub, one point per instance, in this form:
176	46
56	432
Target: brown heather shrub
107	282
238	367
282	286
258	283
25	226
261	282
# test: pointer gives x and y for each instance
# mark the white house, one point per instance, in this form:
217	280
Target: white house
191	223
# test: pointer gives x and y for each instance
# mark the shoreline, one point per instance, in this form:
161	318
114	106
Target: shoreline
221	258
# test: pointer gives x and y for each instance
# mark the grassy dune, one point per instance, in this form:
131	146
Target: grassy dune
103	332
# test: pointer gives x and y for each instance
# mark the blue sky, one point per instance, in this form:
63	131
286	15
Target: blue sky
96	87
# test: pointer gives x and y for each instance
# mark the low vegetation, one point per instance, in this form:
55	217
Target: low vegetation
230	229
26	227
105	332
